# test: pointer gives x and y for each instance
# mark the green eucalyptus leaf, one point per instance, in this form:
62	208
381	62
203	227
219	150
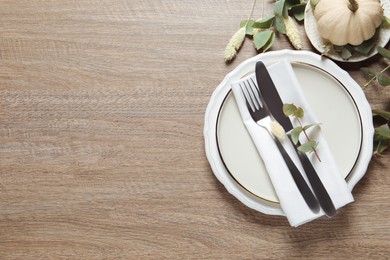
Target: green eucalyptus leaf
280	8
382	113
383	132
299	112
385	53
298	11
295	133
264	23
380	147
270	42
338	48
368	72
346	54
383	79
386	21
249	26
289	109
279	24
261	38
367	46
290	3
314	3
308	147
309	126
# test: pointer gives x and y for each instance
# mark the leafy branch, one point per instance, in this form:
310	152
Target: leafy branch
380	76
382	132
298	114
263	30
381	117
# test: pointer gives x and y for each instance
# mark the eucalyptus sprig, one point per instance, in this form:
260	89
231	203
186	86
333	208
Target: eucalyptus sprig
381	117
380	76
382	132
349	50
263	30
298	114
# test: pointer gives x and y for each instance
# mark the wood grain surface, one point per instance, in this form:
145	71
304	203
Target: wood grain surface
102	154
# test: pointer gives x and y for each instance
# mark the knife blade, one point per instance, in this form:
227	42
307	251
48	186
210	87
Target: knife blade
275	105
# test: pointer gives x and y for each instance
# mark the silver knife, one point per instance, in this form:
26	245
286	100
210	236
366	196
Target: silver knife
275	105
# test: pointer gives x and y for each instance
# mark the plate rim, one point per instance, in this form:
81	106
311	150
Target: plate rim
311	58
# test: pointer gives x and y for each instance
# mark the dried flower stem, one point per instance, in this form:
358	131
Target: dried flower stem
293	33
237	39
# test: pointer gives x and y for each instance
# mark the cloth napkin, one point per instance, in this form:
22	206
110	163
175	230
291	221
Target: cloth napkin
291	201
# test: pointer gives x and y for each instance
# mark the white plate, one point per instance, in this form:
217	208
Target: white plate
334	96
319	43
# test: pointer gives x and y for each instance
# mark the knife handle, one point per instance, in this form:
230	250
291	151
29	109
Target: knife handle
302	186
315	181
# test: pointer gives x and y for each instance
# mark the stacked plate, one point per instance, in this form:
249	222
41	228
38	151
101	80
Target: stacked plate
336	99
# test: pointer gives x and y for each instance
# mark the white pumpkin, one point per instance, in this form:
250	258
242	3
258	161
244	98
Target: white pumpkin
348	21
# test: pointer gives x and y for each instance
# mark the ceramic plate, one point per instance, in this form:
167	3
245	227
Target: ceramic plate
319	43
334	96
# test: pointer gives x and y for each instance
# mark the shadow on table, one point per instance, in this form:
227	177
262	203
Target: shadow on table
276	229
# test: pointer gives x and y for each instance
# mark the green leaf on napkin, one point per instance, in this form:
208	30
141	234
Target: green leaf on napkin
292	110
295	133
308	147
298	114
289	109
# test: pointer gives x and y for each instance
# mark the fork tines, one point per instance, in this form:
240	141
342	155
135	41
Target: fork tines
251	94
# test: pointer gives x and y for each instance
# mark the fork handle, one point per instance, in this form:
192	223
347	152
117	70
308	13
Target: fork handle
302	186
315	181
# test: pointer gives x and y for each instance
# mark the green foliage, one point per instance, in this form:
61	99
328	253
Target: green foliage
308	146
348	50
263	31
381	138
292	110
298	11
380	76
381	113
261	38
381	117
298	113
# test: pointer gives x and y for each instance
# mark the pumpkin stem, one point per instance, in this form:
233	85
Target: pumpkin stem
353	5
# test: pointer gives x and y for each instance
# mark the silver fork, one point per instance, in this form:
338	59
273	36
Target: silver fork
262	116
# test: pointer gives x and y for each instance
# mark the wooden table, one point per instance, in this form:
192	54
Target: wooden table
102	154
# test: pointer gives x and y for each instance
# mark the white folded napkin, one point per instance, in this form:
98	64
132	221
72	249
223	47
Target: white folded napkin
291	201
